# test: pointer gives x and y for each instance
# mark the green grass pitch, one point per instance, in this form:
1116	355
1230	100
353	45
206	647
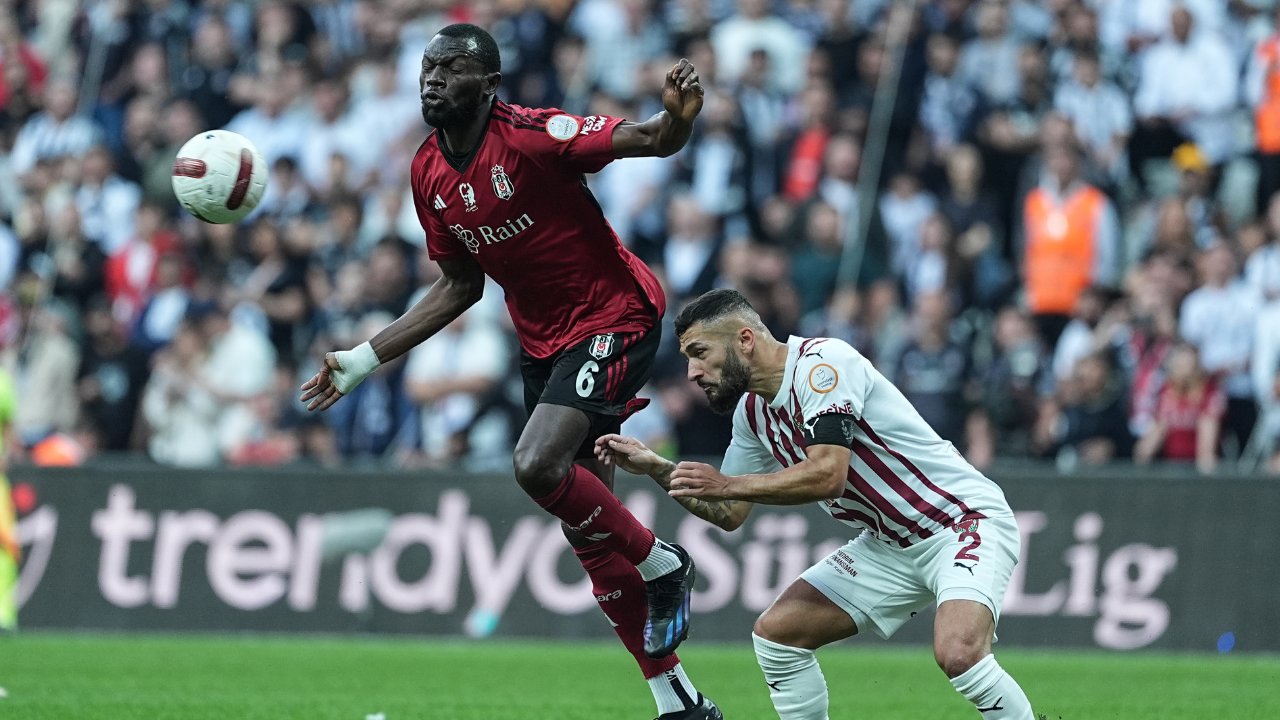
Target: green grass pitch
193	677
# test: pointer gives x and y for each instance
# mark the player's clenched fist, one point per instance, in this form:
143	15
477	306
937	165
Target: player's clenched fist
699	480
682	93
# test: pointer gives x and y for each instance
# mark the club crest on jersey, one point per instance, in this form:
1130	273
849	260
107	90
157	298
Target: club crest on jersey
966	524
468	196
601	346
502	186
468	237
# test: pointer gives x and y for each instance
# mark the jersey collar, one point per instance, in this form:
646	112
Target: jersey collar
462	162
793	354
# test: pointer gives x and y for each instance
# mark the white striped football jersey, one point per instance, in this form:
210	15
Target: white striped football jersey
905	483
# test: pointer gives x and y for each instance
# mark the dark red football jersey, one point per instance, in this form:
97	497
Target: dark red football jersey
519	204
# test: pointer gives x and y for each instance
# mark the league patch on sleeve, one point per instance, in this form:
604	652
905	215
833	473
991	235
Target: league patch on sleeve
823	378
563	127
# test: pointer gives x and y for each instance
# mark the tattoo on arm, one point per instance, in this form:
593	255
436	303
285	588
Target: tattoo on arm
719	513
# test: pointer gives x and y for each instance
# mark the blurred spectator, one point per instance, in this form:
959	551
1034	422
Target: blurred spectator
111	377
287	195
1099	113
130	273
1011	390
165	307
948	104
620	40
691	255
1219	319
933	369
1094	420
841	318
803	167
107	202
1189	415
1265	372
277	285
763	110
54	132
331	133
904	208
270	125
754	28
207	80
1077	340
931	265
1071	241
20	61
989	62
718	158
1262	91
47	378
816	266
1195	191
448	377
886	322
966	205
1152	328
1187	89
181	409
1262	268
377	417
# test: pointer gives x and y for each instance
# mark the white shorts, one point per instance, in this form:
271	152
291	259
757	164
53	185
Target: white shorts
883	585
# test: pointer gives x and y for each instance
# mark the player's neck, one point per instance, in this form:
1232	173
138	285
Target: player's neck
768	366
463	138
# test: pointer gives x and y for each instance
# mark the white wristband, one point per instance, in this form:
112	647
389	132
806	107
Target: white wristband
357	364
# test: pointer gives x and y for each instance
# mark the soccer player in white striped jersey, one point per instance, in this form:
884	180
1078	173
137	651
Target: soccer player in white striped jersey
813	421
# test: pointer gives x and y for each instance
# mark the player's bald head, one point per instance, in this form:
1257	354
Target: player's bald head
476	42
719	312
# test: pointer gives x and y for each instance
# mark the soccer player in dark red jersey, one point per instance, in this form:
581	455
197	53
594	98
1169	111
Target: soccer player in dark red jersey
500	191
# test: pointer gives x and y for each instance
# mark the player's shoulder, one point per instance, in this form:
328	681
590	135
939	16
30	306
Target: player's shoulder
824	364
836	353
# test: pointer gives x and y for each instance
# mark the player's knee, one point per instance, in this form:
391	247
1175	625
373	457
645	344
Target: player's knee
537	471
773	626
955	656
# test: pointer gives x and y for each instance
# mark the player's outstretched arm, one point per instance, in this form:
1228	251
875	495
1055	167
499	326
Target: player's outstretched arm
632	456
820	477
665	133
459	288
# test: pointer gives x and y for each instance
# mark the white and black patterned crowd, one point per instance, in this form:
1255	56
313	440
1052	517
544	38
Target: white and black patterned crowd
1074	255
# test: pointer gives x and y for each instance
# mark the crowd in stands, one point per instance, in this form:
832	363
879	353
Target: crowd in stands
1074	255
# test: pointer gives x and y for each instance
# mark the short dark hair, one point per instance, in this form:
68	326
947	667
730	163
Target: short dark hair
486	49
711	306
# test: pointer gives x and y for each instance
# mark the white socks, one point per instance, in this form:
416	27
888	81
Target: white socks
662	559
796	684
672	691
996	695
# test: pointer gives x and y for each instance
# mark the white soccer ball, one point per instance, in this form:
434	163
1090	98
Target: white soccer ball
219	176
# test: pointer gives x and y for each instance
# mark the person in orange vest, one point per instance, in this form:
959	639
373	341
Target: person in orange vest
1262	90
1069	241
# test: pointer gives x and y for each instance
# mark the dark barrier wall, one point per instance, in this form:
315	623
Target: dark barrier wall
1116	562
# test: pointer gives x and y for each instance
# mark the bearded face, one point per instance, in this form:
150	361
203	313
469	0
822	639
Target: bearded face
735	378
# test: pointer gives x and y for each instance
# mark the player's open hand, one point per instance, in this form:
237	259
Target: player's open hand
699	480
629	454
320	389
682	93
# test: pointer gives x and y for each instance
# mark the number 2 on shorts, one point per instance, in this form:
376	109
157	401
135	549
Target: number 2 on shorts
975	541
